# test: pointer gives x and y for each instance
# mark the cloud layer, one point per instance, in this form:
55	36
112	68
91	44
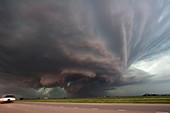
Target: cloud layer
80	46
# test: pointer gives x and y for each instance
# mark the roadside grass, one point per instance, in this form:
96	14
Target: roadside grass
134	99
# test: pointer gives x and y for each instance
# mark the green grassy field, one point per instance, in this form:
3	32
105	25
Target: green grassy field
134	99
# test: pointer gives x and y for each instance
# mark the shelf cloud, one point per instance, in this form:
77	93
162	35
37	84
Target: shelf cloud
80	45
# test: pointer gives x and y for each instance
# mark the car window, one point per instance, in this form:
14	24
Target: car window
9	96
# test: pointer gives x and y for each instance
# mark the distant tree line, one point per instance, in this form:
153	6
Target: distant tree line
147	94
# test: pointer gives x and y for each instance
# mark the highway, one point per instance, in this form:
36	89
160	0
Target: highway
49	107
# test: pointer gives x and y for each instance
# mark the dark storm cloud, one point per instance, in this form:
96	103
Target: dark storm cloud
79	45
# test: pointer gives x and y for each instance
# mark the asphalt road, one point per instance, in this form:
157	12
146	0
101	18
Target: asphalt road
38	107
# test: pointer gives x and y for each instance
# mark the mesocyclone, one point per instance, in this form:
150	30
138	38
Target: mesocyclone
79	45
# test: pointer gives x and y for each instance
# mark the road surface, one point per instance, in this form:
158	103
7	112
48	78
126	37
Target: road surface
48	107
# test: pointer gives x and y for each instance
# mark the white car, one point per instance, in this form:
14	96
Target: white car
7	99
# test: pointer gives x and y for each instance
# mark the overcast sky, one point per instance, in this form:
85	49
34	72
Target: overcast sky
60	48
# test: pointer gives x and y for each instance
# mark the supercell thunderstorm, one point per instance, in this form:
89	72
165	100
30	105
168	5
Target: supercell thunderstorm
81	46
